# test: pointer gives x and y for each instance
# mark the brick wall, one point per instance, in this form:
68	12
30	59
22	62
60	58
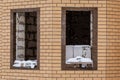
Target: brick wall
0	37
113	42
50	41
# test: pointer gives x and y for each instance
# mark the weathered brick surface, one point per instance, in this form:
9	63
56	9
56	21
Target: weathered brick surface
50	40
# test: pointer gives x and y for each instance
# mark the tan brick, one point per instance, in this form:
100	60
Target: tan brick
56	1
79	78
88	79
84	1
97	78
66	1
75	1
61	79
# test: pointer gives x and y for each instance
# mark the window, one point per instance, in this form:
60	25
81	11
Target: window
25	38
79	38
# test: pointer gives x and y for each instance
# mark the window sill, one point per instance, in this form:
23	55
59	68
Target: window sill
71	67
21	68
81	69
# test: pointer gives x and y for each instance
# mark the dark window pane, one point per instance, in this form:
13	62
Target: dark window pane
77	27
30	39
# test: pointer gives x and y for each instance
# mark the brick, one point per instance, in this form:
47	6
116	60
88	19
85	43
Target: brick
79	78
66	1
97	78
88	79
61	79
75	1
84	1
56	1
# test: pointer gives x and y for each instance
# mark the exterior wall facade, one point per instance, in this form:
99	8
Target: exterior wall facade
50	41
113	43
0	39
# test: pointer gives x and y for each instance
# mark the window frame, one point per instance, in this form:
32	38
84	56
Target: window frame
94	40
12	36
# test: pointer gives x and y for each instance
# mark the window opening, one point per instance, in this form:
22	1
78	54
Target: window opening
25	43
79	46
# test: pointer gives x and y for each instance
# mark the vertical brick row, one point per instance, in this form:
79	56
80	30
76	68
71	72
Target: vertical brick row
0	38
113	40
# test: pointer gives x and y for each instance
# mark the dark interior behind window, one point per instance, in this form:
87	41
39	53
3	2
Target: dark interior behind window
31	36
77	27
